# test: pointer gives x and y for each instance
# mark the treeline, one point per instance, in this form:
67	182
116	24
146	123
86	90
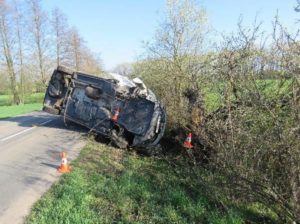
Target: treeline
240	99
33	42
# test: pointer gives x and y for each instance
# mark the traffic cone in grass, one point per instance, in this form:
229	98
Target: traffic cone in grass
64	167
115	117
188	141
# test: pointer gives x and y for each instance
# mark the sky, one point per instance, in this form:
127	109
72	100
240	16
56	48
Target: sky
116	29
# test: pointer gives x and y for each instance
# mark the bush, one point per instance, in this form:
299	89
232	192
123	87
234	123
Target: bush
251	138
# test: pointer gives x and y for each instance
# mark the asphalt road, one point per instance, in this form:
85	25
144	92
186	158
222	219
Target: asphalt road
30	145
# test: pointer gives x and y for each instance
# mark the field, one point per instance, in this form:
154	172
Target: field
6	100
270	88
32	102
110	185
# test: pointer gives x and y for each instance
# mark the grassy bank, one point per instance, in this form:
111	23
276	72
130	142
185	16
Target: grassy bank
33	102
11	111
109	185
6	100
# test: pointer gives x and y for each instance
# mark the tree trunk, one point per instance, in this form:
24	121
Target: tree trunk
19	38
9	60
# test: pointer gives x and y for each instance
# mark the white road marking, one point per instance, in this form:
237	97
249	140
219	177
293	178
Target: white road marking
21	132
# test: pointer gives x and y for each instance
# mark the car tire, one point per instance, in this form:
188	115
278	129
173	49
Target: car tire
55	89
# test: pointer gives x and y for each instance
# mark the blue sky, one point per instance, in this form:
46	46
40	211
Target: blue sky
116	28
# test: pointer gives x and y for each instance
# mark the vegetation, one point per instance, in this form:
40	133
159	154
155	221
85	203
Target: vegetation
6	100
109	185
11	111
33	43
240	99
32	102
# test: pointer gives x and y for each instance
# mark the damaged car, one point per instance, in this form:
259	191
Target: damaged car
122	110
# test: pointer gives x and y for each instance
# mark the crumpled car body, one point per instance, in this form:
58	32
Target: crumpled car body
115	107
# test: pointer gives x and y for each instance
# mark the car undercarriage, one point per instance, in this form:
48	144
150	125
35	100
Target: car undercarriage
114	107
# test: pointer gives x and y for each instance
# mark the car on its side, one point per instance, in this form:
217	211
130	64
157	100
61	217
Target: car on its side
122	110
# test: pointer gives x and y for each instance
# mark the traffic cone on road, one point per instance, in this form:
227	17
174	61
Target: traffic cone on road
115	117
188	141
64	167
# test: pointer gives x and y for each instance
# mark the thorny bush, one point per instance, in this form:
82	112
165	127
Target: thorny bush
252	139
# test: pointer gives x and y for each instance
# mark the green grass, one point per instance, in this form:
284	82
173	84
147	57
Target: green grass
33	102
6	100
11	111
270	88
110	185
273	88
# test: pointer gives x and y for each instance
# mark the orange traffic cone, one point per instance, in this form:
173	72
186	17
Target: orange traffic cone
115	117
64	167
188	141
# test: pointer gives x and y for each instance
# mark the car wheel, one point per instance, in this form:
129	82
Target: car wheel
55	89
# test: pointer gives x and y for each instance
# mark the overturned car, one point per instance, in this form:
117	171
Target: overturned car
124	111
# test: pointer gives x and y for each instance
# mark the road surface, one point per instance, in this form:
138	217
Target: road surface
29	156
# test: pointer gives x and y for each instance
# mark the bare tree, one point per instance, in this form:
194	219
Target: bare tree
60	28
19	24
39	28
8	51
91	62
76	44
27	53
175	56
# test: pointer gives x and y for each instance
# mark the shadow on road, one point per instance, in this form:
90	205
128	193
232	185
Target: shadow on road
40	119
50	165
